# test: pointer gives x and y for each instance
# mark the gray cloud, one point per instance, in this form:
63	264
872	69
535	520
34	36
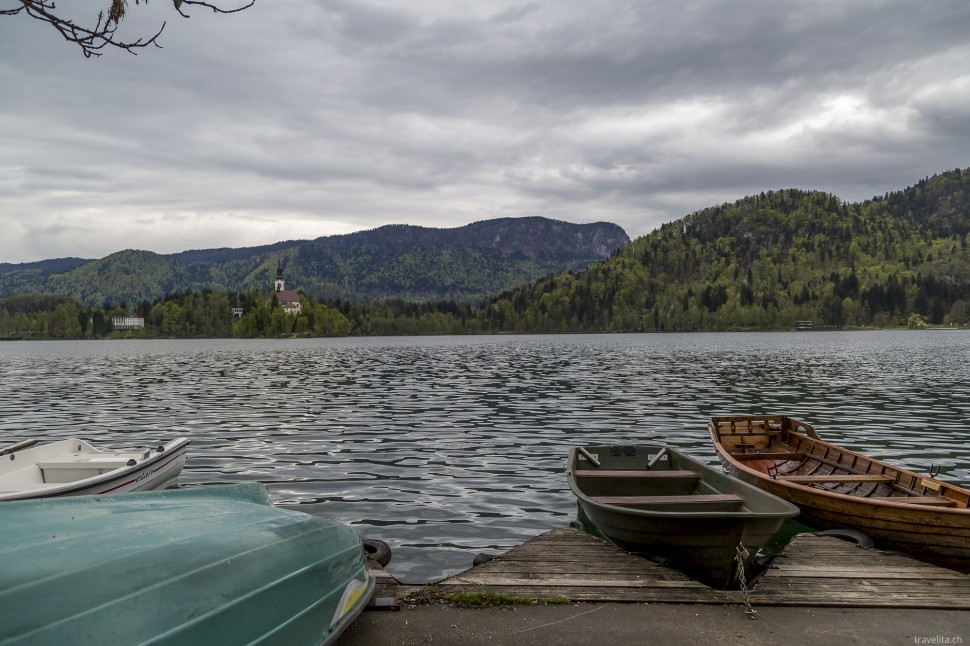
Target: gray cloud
301	119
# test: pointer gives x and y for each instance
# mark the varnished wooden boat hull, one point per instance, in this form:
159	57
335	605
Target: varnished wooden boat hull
840	489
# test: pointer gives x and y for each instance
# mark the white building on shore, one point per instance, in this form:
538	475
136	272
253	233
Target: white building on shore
288	299
128	322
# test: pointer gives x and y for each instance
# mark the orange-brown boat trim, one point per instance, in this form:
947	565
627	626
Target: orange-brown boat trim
836	488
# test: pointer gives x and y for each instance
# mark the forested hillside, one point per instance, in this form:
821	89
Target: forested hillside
767	261
396	261
763	262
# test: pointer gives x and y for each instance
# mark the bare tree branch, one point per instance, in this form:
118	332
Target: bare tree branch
178	6
94	39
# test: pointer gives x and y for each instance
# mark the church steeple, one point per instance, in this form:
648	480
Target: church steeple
288	299
280	285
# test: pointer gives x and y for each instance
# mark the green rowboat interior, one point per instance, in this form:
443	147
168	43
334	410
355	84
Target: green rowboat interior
659	502
203	565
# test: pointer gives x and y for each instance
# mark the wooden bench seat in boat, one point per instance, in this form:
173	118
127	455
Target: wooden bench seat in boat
607	473
837	478
742	457
753	431
690	502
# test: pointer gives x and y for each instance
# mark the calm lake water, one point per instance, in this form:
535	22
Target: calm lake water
445	447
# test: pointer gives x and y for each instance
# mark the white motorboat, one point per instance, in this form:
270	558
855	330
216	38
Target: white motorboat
73	467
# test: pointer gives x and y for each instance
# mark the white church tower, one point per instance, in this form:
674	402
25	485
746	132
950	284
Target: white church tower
280	285
289	300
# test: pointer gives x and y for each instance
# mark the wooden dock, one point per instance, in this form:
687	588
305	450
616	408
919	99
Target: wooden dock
812	571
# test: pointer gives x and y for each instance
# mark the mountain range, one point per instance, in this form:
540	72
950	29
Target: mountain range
782	259
395	261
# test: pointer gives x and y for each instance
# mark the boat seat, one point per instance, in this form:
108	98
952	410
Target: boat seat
711	502
751	432
743	457
936	501
844	477
606	473
84	463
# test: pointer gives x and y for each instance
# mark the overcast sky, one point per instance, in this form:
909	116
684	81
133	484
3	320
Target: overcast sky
297	119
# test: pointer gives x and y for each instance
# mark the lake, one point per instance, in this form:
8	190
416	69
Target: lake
445	447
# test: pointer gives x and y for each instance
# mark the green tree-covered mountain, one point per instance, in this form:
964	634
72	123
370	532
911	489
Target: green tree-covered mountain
768	261
390	262
763	262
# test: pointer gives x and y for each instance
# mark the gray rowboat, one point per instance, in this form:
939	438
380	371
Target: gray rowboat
659	502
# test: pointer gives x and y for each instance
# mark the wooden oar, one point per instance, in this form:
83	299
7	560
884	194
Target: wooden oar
17	446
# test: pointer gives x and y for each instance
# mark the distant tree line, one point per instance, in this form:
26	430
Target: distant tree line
191	314
765	262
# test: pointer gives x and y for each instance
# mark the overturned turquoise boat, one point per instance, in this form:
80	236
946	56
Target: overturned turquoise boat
203	565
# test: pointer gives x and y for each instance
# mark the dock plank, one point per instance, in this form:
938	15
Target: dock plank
814	571
824	571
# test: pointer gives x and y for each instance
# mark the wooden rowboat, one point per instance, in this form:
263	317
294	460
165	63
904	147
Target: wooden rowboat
197	565
660	502
839	489
73	467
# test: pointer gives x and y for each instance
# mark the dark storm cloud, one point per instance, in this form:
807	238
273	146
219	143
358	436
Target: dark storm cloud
300	119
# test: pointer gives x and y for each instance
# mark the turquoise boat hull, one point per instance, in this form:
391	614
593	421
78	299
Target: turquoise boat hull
203	565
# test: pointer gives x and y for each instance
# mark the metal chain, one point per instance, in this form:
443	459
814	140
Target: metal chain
740	556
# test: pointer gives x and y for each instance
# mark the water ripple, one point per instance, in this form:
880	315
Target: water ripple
448	446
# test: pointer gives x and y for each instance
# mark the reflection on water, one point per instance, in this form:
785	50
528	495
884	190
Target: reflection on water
449	446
